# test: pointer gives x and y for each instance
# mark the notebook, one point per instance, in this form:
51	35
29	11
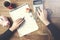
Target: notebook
29	25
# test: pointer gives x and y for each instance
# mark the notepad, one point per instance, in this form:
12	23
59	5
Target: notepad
29	25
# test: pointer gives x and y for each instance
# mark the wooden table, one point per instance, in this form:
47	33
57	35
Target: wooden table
41	34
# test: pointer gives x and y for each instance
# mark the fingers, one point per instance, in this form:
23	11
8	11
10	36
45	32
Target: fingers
20	21
39	12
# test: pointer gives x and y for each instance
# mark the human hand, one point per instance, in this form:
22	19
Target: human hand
16	24
42	15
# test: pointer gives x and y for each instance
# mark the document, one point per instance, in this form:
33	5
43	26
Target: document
29	25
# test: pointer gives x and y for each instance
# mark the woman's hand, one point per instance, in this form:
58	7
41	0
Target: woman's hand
43	16
16	24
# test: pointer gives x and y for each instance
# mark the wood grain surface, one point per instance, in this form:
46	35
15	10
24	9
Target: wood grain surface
41	34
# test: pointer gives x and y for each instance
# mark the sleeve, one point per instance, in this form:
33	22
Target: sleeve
6	35
55	31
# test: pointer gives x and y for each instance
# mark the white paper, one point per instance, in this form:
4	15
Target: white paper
30	24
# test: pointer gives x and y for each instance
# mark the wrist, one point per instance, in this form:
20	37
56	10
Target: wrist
12	29
46	22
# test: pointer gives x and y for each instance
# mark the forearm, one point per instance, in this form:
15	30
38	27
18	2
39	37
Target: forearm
46	22
12	29
55	31
6	35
